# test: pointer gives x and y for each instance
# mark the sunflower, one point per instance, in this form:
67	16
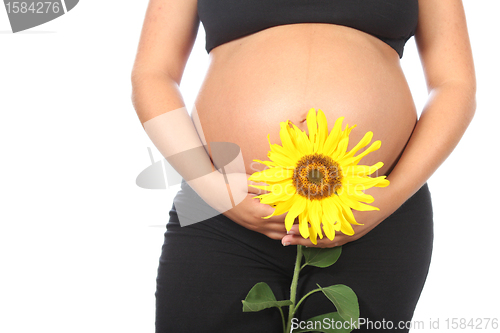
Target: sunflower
315	179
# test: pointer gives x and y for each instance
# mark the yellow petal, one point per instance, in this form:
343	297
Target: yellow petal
313	211
286	141
297	208
364	183
322	126
274	174
383	182
322	133
348	130
334	138
346	228
345	212
315	215
312	125
354	204
282	160
355	192
292	133
329	207
287	151
340	150
361	144
355	159
319	214
337	225
283	207
329	231
282	188
313	235
332	211
309	211
304	224
328	222
301	142
304	143
271	198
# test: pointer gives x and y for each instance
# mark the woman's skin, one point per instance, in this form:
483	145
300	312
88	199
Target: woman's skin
255	82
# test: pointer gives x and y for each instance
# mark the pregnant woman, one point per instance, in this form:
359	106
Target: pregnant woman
272	61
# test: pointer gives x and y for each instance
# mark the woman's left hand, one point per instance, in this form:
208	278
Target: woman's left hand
369	219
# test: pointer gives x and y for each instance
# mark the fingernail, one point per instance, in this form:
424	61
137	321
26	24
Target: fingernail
286	243
291	232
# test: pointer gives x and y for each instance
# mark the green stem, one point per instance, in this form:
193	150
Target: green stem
303	298
293	288
282	318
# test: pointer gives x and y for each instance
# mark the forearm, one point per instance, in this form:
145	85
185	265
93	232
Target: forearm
446	116
159	105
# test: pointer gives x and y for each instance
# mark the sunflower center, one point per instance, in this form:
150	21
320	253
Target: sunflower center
317	176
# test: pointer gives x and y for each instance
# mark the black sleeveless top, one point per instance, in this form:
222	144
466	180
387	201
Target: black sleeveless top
392	21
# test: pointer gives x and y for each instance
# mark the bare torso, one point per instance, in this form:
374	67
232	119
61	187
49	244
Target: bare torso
278	74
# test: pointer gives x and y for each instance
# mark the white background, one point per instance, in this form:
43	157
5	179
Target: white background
80	242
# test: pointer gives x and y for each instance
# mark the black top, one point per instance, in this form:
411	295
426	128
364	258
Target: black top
392	21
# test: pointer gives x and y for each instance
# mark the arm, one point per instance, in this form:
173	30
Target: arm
444	48
443	44
167	38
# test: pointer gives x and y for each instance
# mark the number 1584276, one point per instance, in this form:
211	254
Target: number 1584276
35	7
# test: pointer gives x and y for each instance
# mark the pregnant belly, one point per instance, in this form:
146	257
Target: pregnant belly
278	74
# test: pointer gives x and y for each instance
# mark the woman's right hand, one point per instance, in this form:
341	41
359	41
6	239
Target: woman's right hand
249	213
243	208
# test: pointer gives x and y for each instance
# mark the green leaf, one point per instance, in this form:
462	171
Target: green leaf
321	257
261	297
329	322
344	299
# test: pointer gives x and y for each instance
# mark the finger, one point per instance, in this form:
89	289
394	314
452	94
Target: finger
275	235
295	229
299	240
254	189
263	210
296	240
278	227
291	239
267	224
275	218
